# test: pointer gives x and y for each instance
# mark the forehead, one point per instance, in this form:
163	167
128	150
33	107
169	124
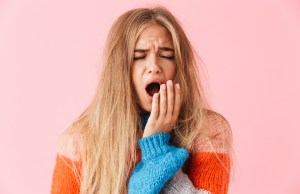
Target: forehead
154	34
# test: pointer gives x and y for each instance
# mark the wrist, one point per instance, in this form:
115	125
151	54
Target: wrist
147	134
154	145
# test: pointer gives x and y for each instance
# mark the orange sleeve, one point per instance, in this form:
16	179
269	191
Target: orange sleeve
209	171
64	180
209	165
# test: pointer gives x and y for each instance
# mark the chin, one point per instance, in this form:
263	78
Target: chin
146	108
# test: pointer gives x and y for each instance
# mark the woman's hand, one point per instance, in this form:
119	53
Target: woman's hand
165	109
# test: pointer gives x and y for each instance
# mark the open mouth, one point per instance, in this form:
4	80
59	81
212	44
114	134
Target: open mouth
152	88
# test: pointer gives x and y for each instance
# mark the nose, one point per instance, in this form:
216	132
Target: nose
153	66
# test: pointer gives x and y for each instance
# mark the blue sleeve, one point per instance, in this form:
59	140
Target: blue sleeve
160	162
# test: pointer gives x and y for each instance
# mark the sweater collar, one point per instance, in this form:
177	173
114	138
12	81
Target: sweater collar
144	118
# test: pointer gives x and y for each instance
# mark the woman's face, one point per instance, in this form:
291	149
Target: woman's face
153	63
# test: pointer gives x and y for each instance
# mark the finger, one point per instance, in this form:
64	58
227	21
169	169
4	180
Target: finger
163	101
170	96
155	109
177	102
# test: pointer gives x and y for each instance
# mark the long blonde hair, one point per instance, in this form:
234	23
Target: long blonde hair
107	129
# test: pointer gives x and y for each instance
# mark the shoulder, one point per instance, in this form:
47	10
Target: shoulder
216	124
70	143
215	134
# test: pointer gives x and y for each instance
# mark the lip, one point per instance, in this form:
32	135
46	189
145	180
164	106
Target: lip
149	81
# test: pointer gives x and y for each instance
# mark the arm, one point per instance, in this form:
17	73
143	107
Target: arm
67	169
208	169
64	180
206	175
160	161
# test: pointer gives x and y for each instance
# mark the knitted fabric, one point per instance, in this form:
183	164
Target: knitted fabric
205	171
181	183
160	161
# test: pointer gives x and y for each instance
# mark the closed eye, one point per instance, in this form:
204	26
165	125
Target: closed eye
162	56
141	57
167	57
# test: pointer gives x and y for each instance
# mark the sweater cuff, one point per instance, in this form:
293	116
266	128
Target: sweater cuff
154	145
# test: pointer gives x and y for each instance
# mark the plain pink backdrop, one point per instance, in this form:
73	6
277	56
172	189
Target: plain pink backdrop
50	53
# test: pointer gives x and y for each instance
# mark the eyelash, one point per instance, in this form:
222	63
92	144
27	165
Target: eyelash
166	57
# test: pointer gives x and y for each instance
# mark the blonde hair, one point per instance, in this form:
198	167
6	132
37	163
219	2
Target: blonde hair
107	129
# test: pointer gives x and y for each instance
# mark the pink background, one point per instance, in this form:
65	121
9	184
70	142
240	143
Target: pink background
49	57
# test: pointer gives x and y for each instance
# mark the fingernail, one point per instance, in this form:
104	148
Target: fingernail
177	86
169	82
163	86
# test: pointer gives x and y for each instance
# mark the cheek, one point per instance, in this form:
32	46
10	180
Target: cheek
170	71
134	73
136	76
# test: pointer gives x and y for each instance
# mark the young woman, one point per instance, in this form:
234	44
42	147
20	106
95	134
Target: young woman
149	129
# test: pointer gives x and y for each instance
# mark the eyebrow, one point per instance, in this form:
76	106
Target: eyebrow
160	48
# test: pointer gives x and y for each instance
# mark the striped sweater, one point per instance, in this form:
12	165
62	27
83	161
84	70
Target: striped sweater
164	168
